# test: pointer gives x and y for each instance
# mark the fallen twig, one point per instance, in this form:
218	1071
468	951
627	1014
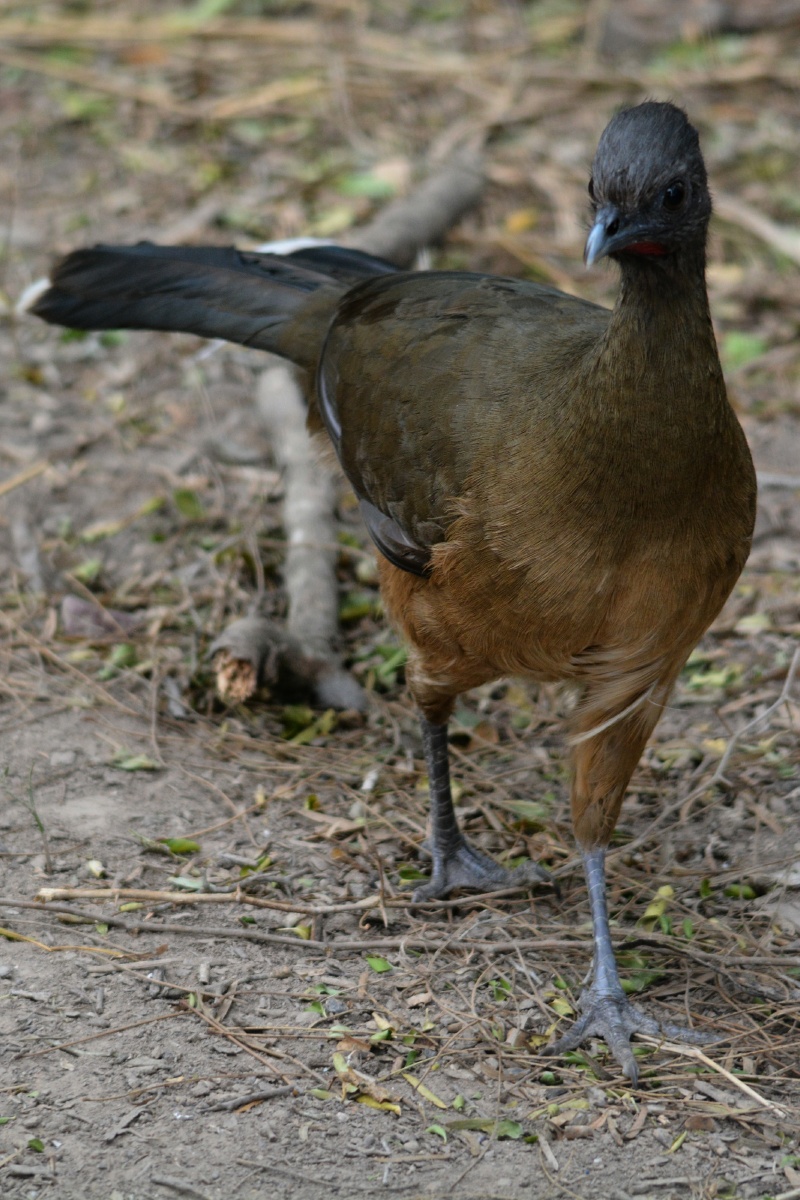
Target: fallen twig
716	777
696	1052
719	774
178	1185
8	485
782	238
405	227
91	1037
239	1102
262	1053
408	942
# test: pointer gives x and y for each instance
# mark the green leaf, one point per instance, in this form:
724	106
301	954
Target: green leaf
499	1129
357	605
740	891
186	883
500	989
511	1130
658	906
113	337
321	1094
378	964
527	812
180	845
459	1104
321	727
423	1090
722	678
88	571
705	889
388	669
409	874
740	348
188	504
578	1059
374	1102
85	106
201	11
333	220
757	622
134	762
439	1130
36	1144
639	981
364	183
123	655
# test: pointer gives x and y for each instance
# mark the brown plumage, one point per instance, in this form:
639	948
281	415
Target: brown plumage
558	491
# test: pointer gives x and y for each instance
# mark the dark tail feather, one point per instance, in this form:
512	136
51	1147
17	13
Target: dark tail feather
343	264
281	303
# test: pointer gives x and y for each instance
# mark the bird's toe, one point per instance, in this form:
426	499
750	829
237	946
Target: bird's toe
614	1019
468	868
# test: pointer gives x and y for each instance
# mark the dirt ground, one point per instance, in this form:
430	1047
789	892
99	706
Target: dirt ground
231	997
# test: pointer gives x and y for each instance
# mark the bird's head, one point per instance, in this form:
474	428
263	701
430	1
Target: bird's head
648	188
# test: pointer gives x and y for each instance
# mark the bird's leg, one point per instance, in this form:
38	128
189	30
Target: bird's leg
606	1011
456	863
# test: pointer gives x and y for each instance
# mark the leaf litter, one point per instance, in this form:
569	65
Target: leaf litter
152	543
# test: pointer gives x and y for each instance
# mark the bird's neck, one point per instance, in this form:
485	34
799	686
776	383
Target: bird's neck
664	303
659	349
658	412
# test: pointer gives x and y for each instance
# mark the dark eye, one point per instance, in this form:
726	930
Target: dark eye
674	196
591	188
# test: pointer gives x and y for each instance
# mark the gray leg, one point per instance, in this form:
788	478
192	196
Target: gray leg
456	863
607	1012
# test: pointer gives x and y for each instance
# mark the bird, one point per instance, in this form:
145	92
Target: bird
556	490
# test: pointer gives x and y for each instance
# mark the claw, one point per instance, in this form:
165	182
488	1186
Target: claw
606	1011
469	868
614	1019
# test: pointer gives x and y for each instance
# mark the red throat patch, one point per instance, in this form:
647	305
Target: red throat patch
652	248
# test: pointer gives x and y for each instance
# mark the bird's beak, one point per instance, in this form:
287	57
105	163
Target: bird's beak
601	235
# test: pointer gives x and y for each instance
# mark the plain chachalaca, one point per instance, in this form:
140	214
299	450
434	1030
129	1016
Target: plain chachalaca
558	491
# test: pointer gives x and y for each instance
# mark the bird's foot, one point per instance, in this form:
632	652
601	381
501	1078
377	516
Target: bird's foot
466	867
613	1018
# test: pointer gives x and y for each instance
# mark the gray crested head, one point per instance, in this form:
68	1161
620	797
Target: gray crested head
648	187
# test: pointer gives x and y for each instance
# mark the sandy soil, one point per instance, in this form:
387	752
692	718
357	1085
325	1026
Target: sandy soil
313	1035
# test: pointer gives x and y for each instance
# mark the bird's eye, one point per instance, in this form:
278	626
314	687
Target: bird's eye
674	196
591	188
